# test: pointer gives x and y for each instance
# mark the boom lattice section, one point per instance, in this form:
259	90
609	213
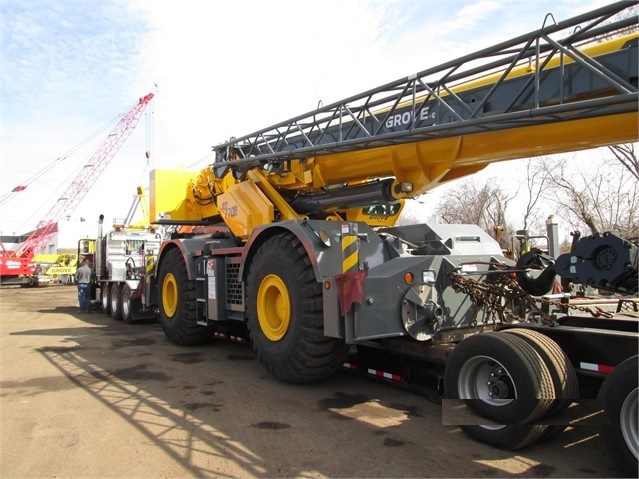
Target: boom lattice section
533	79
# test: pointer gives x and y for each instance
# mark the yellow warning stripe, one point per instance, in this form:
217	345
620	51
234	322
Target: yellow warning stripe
350	256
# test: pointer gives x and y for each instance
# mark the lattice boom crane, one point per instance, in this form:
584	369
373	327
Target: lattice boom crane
87	177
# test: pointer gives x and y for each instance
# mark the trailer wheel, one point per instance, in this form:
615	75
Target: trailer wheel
508	438
564	378
116	301
177	302
105	299
618	394
500	377
284	307
129	305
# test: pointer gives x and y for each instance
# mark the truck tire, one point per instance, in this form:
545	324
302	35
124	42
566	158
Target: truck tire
115	303
130	306
105	299
284	308
500	377
618	394
177	303
508	438
561	371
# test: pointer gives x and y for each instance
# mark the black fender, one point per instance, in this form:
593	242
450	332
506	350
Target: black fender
326	264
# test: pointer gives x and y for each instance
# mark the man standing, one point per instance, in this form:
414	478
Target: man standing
83	280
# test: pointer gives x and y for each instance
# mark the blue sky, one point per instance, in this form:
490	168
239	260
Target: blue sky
218	69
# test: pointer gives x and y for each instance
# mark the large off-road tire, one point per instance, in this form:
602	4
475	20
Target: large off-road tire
130	306
500	377
115	301
619	396
508	438
105	299
561	371
177	302
284	307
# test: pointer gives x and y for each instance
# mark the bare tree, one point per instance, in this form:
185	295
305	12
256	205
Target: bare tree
481	204
598	195
625	154
537	184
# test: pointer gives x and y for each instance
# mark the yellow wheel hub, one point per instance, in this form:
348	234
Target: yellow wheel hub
273	307
169	295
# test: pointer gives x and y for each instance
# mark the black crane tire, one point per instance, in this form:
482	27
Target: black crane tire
115	301
500	377
285	315
105	293
509	438
176	302
618	395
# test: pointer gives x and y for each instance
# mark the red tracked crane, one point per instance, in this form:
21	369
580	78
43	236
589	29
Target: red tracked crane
14	264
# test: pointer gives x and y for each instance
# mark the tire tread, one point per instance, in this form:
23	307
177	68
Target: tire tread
310	356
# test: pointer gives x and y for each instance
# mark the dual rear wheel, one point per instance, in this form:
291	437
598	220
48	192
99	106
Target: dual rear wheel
513	379
516	377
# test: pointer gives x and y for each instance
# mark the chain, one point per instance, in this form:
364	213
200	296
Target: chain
493	297
596	313
488	297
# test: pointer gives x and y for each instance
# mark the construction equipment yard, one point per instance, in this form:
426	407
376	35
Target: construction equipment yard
83	395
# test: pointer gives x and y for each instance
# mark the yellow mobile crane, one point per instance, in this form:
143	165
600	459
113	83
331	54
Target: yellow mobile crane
299	247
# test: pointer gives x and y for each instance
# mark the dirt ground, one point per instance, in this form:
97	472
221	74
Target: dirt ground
85	396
